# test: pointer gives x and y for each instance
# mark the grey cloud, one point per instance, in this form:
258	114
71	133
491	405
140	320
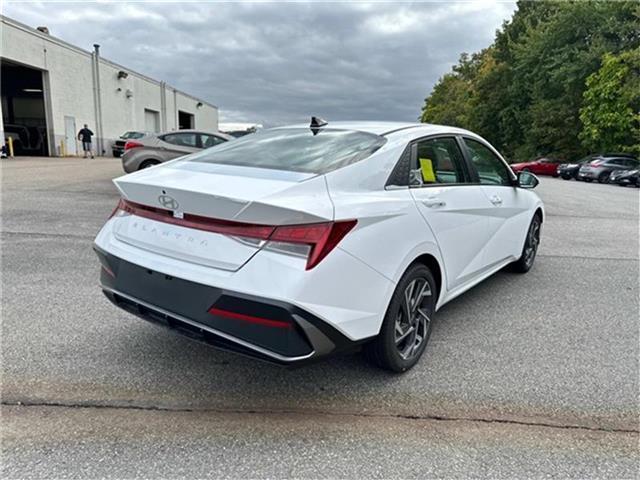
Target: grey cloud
277	63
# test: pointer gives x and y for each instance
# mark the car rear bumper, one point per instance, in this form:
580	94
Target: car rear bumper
568	171
588	174
261	328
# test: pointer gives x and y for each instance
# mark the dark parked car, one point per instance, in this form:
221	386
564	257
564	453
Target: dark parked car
118	147
625	177
570	170
601	167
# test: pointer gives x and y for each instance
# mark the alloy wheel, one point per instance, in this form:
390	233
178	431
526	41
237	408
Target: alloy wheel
533	240
412	320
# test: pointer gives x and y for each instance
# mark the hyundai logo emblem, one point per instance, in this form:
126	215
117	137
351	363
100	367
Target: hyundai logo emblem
168	202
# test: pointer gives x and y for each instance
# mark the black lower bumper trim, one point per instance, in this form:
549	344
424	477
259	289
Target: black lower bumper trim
185	307
195	332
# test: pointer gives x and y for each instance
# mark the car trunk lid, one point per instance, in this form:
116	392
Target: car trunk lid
190	195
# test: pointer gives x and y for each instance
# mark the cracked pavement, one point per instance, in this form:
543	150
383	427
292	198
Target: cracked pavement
525	376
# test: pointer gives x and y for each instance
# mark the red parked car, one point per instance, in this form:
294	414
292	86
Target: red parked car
541	166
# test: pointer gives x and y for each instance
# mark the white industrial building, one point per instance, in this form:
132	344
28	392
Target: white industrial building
50	88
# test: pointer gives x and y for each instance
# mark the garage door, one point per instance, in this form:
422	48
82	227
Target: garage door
151	120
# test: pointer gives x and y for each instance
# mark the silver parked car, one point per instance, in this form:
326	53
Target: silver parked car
601	167
161	147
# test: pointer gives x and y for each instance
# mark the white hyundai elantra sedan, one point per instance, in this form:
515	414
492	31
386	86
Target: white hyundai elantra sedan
298	242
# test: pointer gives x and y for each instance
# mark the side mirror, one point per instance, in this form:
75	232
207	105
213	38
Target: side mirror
527	180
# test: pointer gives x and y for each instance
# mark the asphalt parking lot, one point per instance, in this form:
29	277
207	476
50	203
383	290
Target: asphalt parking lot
528	376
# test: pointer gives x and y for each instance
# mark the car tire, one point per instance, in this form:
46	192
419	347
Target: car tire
530	248
148	163
566	177
407	324
603	177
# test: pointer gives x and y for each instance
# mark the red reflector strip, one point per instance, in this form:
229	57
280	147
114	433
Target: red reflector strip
198	222
108	271
250	318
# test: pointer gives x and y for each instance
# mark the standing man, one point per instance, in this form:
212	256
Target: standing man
84	136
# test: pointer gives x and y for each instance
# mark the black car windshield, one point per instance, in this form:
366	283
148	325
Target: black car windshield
295	149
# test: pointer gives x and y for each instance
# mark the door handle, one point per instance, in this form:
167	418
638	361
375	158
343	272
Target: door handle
496	200
433	202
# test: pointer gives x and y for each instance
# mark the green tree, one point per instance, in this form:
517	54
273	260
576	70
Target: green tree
525	92
551	63
448	104
610	112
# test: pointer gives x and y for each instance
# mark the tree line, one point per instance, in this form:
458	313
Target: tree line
562	79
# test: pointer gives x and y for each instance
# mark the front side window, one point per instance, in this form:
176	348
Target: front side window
491	170
437	160
295	149
181	139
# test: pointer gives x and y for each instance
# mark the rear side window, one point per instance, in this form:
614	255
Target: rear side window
438	160
295	149
181	139
210	140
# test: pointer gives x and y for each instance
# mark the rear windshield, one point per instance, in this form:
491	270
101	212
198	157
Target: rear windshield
133	135
295	149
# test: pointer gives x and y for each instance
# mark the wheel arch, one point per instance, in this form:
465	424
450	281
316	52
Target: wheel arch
540	213
149	160
432	263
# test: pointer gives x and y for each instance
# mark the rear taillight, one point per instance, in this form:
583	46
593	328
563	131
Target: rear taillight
132	144
321	238
120	206
313	241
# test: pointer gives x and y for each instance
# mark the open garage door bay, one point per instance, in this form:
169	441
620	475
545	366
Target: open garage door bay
23	109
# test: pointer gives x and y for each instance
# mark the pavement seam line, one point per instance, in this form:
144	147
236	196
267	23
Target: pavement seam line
440	418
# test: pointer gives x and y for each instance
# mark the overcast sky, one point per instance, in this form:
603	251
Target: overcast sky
276	63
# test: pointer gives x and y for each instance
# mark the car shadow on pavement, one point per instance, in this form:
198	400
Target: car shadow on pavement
189	374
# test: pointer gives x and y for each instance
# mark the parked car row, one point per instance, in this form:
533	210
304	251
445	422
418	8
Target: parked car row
603	168
620	168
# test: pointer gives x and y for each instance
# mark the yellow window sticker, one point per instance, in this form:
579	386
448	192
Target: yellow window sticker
426	166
